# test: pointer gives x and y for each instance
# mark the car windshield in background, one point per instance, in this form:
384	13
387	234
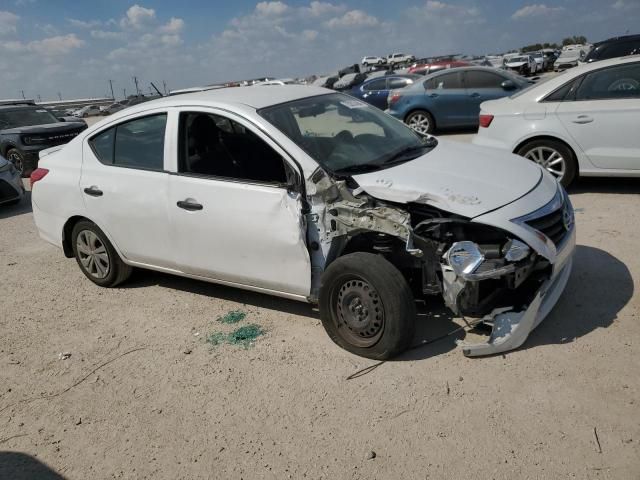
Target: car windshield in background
25	117
345	135
518	59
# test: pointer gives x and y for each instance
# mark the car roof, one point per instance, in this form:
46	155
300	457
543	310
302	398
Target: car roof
622	38
256	97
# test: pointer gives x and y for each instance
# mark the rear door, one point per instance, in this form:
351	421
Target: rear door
375	92
124	186
447	100
481	86
604	116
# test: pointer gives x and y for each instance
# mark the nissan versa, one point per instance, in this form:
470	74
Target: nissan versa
313	195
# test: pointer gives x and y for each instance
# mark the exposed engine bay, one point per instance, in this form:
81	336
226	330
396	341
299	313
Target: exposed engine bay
480	271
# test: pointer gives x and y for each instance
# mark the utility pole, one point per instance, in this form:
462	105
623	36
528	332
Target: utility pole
113	97
39	98
23	97
164	85
124	93
135	80
60	96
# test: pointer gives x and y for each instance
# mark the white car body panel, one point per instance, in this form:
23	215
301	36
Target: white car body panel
601	133
246	233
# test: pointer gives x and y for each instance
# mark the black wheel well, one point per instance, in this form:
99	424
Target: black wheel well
67	248
555	139
413	110
6	148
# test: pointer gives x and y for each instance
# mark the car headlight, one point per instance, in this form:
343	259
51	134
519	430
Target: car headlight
515	251
33	140
464	257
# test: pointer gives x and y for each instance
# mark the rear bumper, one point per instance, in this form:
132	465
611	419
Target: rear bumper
511	328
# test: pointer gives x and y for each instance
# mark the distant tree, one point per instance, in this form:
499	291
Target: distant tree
576	39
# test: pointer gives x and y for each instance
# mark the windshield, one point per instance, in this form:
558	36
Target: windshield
25	117
345	135
519	59
569	54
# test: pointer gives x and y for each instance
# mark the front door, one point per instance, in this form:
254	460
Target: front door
603	117
234	214
447	100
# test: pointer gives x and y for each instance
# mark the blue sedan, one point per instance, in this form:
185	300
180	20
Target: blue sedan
376	90
451	98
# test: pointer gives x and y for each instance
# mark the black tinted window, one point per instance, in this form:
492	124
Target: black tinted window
444	81
380	84
619	50
215	146
103	145
622	81
140	143
479	79
566	92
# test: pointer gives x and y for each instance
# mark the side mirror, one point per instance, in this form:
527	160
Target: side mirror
508	85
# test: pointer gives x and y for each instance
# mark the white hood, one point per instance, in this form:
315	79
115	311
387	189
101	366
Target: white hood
462	179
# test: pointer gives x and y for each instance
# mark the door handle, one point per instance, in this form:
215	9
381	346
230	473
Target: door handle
189	204
582	119
93	191
474	95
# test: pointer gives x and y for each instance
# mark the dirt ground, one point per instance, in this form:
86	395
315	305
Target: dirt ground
143	395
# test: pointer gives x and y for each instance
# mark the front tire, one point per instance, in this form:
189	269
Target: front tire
96	257
554	156
421	121
366	306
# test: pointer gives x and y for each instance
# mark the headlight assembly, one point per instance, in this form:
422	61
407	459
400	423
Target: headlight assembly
467	260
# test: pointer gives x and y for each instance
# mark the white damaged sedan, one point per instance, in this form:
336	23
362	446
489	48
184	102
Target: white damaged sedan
312	195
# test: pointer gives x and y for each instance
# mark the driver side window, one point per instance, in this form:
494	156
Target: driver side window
215	146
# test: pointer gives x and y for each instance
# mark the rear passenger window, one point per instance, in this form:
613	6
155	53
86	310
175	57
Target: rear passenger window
138	143
380	84
620	81
444	82
398	83
479	79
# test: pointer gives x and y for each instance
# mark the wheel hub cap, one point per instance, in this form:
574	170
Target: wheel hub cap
419	123
360	313
93	254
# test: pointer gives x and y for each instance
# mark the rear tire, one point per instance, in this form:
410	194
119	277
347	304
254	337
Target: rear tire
554	156
421	121
96	257
15	157
366	306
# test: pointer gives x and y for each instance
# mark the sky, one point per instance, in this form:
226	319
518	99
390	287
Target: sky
72	48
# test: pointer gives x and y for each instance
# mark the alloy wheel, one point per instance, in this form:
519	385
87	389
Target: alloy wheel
359	313
93	254
419	122
550	159
15	158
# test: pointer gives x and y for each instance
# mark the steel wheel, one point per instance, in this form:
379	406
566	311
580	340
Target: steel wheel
550	159
420	122
359	313
14	157
93	254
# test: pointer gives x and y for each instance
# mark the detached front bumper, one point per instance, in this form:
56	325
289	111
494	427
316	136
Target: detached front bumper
511	328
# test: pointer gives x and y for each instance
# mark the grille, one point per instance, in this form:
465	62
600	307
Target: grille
7	192
552	225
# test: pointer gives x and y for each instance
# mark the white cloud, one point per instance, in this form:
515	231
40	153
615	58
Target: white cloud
8	22
440	13
106	35
84	23
318	9
47	47
173	26
535	10
353	18
271	8
626	5
138	17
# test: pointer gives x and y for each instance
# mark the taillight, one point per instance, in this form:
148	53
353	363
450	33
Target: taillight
37	175
393	97
485	120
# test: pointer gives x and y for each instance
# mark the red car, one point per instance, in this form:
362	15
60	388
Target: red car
427	68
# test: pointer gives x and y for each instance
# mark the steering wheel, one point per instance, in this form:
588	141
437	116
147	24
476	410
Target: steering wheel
624	84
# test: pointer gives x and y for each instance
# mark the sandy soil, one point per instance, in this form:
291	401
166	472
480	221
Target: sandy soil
144	396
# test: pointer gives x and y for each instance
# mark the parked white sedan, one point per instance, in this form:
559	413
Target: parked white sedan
583	122
316	196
